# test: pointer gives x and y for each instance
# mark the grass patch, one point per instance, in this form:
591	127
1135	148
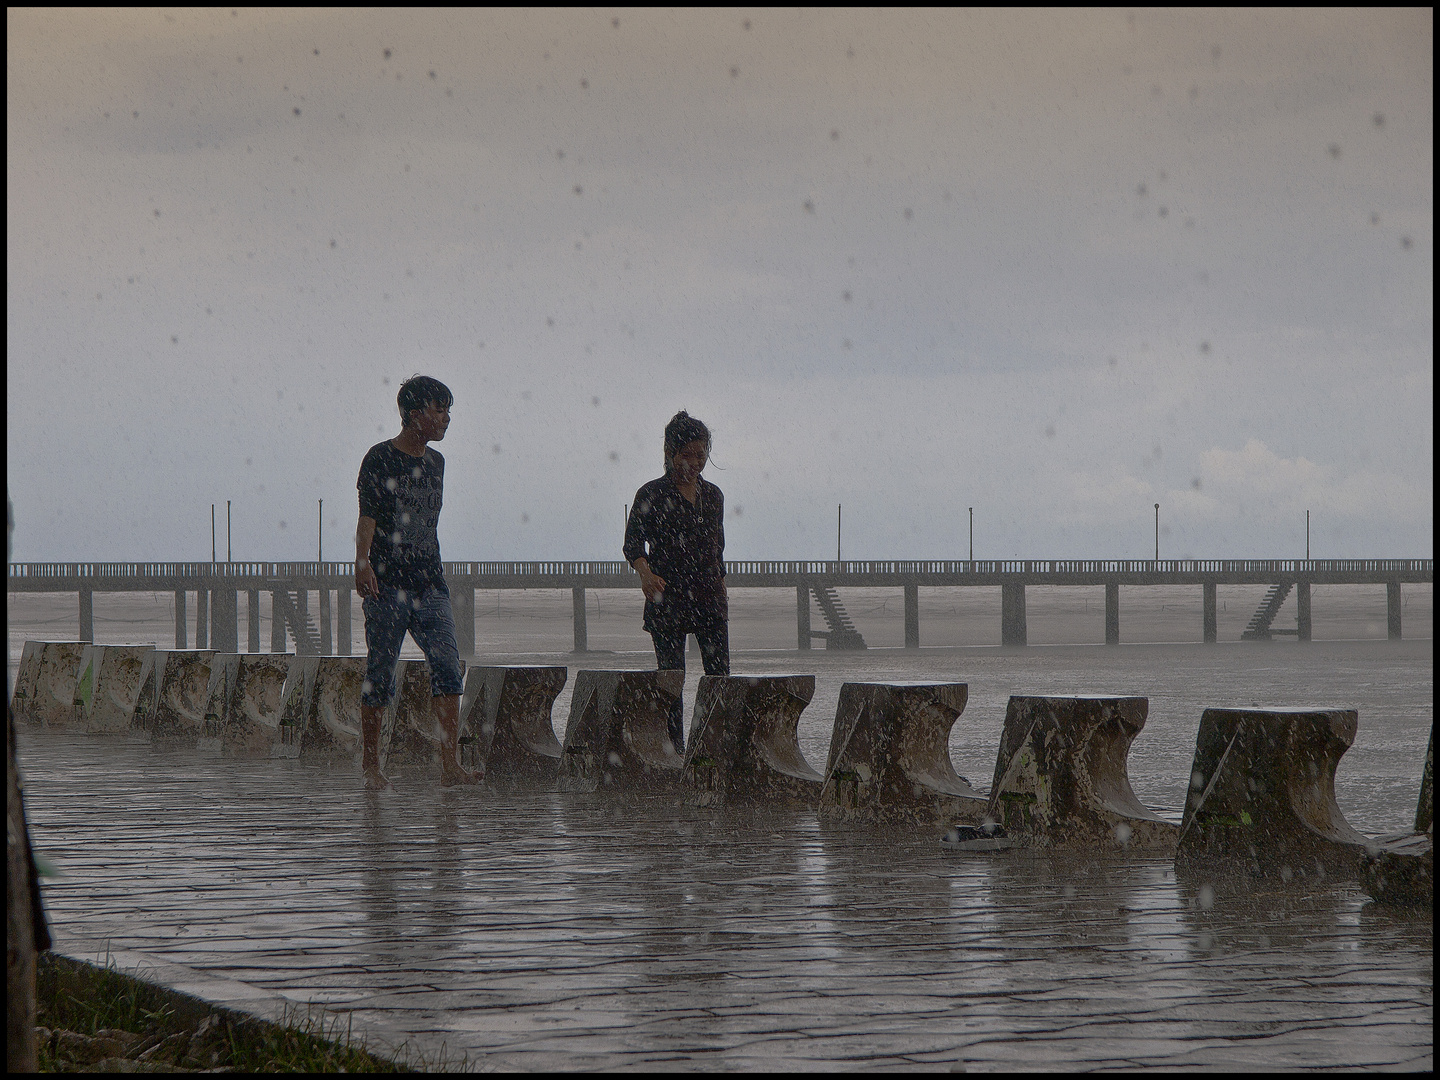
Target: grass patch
93	1016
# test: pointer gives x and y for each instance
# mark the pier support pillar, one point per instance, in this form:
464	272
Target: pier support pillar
1392	608
1112	614
342	623
1209	623
87	615
252	620
462	606
1302	610
277	624
577	599
912	616
1012	615
181	636
802	616
327	640
202	618
225	621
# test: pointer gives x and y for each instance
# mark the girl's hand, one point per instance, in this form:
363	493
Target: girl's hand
651	583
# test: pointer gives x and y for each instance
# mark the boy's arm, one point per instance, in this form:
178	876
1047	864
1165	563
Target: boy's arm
366	583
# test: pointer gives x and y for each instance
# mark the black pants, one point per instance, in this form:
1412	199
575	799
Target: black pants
670	656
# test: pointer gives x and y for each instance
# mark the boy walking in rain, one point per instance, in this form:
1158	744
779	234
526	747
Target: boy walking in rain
399	577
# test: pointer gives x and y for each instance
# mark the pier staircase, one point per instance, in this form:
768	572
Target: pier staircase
842	633
298	620
1260	628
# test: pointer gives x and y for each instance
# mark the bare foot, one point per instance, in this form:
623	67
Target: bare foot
375	780
452	775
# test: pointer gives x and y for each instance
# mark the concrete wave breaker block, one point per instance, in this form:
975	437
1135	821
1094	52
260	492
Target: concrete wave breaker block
889	756
108	687
1262	791
45	684
618	733
246	697
1061	778
505	722
1401	869
409	733
177	685
321	715
743	746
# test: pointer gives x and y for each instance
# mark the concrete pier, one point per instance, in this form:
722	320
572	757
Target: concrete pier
889	758
1061	779
618	735
577	605
1392	609
912	616
225	620
505	723
1012	614
743	746
1210	617
1262	791
182	635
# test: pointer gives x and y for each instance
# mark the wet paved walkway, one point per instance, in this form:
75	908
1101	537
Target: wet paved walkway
540	931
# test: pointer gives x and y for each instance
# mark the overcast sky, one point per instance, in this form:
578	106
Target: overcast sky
1057	266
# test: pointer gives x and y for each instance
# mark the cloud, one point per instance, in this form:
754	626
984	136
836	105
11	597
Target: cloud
1255	476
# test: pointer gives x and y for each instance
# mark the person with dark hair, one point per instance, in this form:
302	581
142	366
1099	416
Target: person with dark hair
399	576
675	540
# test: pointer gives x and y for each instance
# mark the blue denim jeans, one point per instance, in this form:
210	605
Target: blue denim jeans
428	619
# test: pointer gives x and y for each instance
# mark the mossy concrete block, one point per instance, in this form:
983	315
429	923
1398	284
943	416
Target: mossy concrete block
1262	791
617	737
246	697
180	680
1401	869
889	758
45	684
321	714
1061	779
743	746
506	725
108	687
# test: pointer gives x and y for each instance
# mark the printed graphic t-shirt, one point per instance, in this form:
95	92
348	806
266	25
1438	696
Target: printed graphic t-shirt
403	494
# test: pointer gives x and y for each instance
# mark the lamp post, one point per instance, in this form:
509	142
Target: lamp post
972	538
838	508
320	553
212	533
1157	533
1307	535
228	556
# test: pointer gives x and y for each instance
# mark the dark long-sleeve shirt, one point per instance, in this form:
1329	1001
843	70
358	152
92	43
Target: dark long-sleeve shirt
684	545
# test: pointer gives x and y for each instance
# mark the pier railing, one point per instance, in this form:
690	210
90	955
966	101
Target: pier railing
122	576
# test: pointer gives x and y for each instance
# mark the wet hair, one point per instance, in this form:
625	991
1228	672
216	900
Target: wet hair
682	429
418	391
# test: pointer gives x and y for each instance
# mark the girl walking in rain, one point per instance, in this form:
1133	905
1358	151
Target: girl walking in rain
675	540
